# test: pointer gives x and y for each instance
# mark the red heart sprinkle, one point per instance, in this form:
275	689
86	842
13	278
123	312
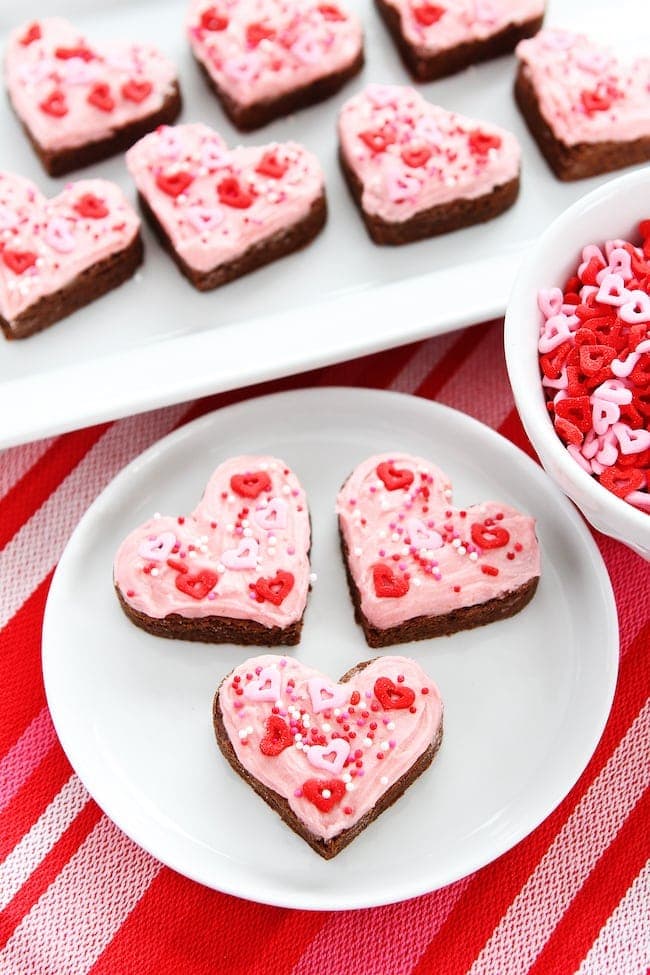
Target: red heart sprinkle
416	157
594	101
270	165
393	477
387	583
65	53
480	143
91	206
232	194
378	141
275	589
100	96
258	32
173	184
19	261
623	482
393	697
197	585
250	485
136	91
330	12
55	104
428	14
489	536
576	409
33	33
277	738
211	19
590	273
568	431
313	790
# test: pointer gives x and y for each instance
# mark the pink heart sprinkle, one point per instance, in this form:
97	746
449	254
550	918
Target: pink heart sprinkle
636	311
621	368
556	331
640	499
157	548
603	413
273	516
266	687
631	441
608	451
613	291
242	557
614	391
320	755
421	536
620	262
204	218
324	695
402	187
59	237
550	301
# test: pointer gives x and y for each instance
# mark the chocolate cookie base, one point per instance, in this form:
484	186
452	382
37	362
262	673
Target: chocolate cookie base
436	220
427	627
265	251
249	117
92	283
583	159
214	629
58	162
325	848
428	67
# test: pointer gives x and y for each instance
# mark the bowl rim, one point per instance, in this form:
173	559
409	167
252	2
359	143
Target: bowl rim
632	524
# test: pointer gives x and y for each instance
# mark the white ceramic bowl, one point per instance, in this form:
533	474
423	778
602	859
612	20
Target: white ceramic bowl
613	210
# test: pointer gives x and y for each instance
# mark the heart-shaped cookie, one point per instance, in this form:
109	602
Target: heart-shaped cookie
588	112
419	567
57	255
234	571
80	101
222	212
265	59
438	39
416	170
328	757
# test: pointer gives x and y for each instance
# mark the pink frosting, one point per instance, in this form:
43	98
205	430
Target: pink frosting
460	21
428	545
46	243
411	155
266	48
205	230
321	746
238	547
584	93
34	74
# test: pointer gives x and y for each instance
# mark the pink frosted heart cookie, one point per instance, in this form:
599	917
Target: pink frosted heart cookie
58	255
438	39
223	212
81	101
417	566
416	170
234	571
328	757
588	112
267	58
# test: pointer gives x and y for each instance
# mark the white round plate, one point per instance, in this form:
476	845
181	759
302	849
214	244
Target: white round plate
526	699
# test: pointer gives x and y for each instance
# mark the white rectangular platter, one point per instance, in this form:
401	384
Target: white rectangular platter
156	340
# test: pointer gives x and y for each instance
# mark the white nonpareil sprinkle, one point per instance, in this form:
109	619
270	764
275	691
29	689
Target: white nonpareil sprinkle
367	742
349	787
473	556
346	777
326	728
313	577
417	582
358	551
247	532
384	780
326	794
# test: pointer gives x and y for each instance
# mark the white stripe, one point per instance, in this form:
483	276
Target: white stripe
16	461
36	547
486	396
623	945
423	361
71	924
44	834
545	897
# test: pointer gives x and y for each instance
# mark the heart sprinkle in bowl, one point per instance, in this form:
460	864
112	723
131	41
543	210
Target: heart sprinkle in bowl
612	212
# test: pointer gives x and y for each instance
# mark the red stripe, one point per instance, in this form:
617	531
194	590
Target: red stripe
513	429
21	679
204	932
452	361
493	889
44	477
598	897
33	798
48	870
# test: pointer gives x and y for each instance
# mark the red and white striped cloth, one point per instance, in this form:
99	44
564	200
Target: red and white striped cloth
78	897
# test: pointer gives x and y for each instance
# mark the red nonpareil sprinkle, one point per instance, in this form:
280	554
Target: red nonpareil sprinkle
489	570
428	14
